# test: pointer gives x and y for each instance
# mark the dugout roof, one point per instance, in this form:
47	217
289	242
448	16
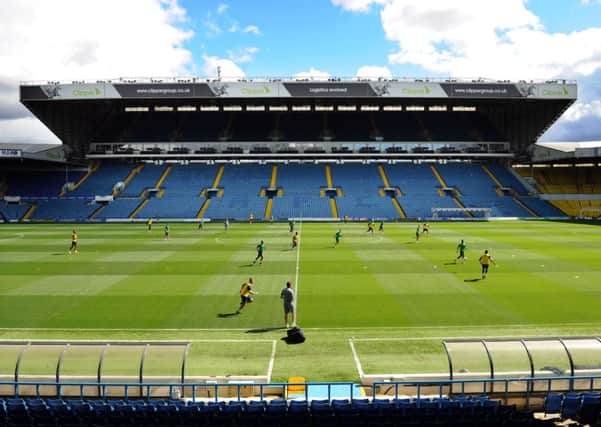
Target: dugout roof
273	111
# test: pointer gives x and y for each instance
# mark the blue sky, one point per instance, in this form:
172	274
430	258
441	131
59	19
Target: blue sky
499	39
295	36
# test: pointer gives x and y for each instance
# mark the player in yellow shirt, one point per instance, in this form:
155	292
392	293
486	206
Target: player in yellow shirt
251	218
295	238
485	260
246	293
149	224
73	247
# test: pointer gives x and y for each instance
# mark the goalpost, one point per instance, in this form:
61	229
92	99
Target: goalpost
460	213
589	213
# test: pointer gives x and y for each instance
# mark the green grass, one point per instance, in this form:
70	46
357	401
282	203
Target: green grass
128	284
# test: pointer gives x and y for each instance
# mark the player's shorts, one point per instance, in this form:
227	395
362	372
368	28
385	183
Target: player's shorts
484	268
246	299
462	254
73	244
288	308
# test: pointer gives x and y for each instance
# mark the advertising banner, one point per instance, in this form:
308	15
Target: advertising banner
163	90
408	89
481	90
308	89
10	153
248	89
551	90
329	89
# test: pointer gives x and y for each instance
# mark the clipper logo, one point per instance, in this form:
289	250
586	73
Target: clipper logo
86	92
556	92
424	90
255	90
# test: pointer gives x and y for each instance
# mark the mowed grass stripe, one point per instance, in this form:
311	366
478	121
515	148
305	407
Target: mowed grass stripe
367	281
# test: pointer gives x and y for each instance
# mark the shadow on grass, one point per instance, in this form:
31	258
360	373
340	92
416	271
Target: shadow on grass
290	341
226	315
59	253
450	263
263	330
472	280
410	243
246	265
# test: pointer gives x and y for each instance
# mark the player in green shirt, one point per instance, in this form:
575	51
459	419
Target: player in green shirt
337	236
461	249
166	231
291	226
260	249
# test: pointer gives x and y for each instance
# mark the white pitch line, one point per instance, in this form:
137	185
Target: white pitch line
356	357
355	328
271	360
117	341
445	338
300	229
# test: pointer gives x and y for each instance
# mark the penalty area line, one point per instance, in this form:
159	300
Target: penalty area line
298	249
356	357
274	344
124	341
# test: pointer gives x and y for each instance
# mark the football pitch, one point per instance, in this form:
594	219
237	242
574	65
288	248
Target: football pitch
396	298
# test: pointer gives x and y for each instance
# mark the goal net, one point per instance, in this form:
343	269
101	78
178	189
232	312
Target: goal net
460	213
590	213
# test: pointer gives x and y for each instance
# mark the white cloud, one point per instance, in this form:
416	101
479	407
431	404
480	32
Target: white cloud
313	74
222	8
212	28
59	42
242	55
234	27
357	5
229	70
253	29
583	109
497	39
26	130
373	72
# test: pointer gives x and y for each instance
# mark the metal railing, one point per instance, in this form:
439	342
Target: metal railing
523	387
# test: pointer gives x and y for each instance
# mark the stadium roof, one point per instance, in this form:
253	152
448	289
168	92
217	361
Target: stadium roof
37	152
384	111
566	151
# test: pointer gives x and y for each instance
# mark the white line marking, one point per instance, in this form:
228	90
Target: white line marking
355	328
448	337
271	360
298	249
117	341
356	357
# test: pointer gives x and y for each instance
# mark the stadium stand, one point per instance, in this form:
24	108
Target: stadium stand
360	197
357	190
103	180
64	209
241	186
301	198
477	190
460	411
39	183
568	180
419	187
181	198
143	180
14	211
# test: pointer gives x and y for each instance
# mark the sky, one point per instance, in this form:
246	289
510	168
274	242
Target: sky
498	39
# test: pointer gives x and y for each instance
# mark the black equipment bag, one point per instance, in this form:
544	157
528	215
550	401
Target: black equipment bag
295	335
